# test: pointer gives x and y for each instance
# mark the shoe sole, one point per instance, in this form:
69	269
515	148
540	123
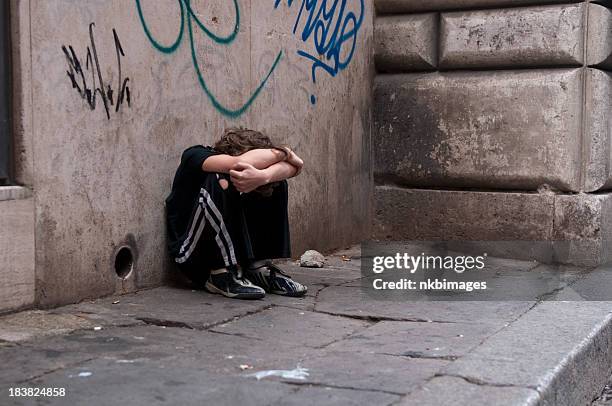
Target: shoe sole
244	296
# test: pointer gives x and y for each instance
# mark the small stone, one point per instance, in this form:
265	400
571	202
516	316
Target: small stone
312	259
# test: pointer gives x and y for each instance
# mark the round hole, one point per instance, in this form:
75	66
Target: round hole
124	262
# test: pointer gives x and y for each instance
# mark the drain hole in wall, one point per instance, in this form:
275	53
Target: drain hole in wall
124	262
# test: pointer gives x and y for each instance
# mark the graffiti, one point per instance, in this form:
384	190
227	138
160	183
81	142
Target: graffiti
190	21
89	81
332	29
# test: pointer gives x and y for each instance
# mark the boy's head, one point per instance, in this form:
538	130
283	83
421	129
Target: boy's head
237	141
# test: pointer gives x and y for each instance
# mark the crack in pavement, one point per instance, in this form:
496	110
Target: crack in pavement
502	328
345	337
205	327
235	335
376	319
238	317
165	323
371	318
302	307
332	386
420	355
316	297
550	294
71	365
480	382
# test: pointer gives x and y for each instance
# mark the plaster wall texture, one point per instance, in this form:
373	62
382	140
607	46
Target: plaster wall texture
100	170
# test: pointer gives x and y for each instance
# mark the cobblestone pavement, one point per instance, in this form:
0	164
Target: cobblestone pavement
175	345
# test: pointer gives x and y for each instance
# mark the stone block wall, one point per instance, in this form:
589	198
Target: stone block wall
500	107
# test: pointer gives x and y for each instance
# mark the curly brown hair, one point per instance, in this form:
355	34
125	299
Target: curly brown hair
236	141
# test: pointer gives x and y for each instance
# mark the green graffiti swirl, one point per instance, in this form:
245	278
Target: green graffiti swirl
187	14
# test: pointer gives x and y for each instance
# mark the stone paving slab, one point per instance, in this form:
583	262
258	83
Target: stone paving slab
555	345
339	345
354	302
283	325
104	382
417	340
213	352
457	391
364	370
29	324
196	309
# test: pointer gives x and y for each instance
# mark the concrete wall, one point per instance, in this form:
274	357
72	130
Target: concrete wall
100	175
477	98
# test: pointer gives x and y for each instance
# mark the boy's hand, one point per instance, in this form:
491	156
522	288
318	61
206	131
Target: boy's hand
247	178
294	160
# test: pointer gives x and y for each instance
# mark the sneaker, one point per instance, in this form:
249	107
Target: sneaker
227	284
274	280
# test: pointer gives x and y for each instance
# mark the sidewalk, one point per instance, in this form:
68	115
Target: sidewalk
174	345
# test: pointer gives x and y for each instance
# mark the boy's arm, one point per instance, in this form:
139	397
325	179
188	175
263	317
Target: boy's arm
258	158
247	178
294	160
280	171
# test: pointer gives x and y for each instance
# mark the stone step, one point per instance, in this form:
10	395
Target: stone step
579	225
557	354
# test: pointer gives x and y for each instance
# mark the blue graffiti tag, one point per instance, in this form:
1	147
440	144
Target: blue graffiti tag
189	16
330	26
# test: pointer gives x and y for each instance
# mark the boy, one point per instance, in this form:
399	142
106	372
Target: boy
227	215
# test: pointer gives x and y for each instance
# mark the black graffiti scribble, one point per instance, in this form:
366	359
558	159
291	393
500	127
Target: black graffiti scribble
89	88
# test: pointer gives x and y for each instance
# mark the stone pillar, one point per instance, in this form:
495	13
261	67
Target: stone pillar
492	122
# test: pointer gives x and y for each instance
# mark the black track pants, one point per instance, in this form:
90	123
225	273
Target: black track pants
228	228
